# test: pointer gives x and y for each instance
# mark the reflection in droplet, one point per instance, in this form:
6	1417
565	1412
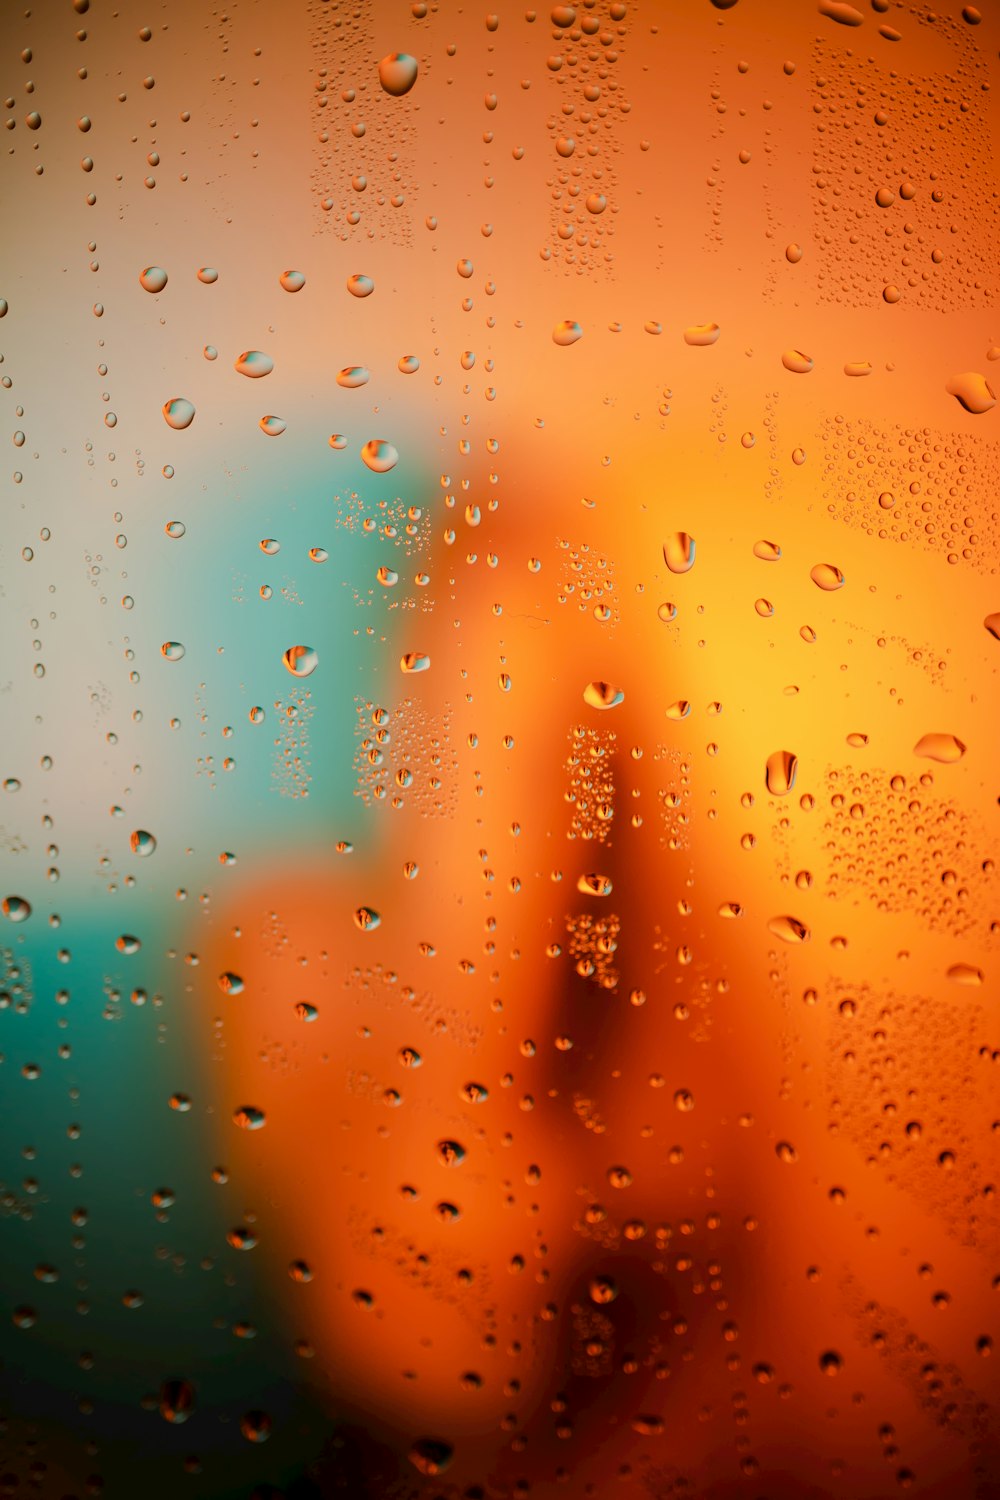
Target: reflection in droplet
178	413
679	552
567	332
944	748
414	661
254	363
379	455
602	695
301	661
153	279
397	73
826	576
779	772
789	929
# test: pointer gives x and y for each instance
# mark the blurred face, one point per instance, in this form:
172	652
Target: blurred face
529	715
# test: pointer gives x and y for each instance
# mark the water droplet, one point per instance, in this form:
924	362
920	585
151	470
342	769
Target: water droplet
786	1152
944	748
789	929
826	576
793	253
797	362
666	612
272	426
352	377
397	73
142	843
379	456
15	908
450	1153
153	279
679	710
567	332
387	577
366	919
966	974
731	909
992	624
431	1455
602	695
603	1289
255	1426
175	529
318	554
767	551
414	661
973	392
360	286
764	608
830	1362
292	281
594	885
249	1117
779	772
408	364
700	335
301	661
208	274
178	413
254	363
231	984
172	651
679	552
176	1400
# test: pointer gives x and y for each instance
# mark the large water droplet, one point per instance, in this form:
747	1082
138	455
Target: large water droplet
973	392
351	377
178	413
142	843
172	651
599	694
767	551
966	974
944	748
360	286
254	363
379	456
397	73
789	929
249	1117
594	885
301	661
431	1455
366	918
272	426
797	362
153	279
826	576
292	281
679	552
567	332
15	908
779	772
992	624
700	335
